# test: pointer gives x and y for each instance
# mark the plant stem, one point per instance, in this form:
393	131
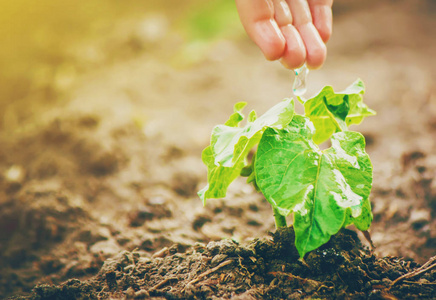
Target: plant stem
280	220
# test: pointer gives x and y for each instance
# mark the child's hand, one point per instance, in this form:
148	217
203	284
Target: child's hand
294	31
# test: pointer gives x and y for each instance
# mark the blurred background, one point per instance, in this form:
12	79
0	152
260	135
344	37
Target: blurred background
48	48
105	107
51	51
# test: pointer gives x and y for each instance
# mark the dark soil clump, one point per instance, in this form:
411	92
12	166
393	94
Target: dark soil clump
263	269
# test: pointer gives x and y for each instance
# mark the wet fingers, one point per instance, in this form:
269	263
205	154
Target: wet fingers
316	50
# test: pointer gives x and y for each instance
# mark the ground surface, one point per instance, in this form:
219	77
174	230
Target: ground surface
100	163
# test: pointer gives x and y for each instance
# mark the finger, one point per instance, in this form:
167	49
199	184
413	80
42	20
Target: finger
300	11
322	17
282	12
294	54
257	17
316	50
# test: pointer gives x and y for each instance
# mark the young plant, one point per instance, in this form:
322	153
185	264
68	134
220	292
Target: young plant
325	190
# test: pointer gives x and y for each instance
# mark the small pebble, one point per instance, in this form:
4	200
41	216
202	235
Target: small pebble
130	293
156	201
419	218
109	248
15	173
141	294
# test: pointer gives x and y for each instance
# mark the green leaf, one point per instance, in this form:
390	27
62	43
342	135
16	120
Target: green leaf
237	115
218	177
326	190
332	112
230	145
252	116
362	221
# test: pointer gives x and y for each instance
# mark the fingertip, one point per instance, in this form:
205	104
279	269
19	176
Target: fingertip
316	56
324	33
316	59
290	65
323	21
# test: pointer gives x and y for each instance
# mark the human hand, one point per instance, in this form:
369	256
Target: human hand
294	31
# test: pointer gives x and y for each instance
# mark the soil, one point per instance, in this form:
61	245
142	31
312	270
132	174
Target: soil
264	269
100	148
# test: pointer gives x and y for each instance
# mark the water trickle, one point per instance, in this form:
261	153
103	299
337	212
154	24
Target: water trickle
299	86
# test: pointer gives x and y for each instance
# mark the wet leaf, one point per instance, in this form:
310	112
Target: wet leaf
332	112
326	190
230	145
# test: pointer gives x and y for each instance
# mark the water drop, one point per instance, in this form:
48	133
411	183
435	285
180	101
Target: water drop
299	86
356	211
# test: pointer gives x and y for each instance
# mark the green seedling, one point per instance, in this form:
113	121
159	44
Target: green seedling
325	190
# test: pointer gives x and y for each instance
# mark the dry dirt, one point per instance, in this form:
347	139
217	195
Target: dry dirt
100	165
